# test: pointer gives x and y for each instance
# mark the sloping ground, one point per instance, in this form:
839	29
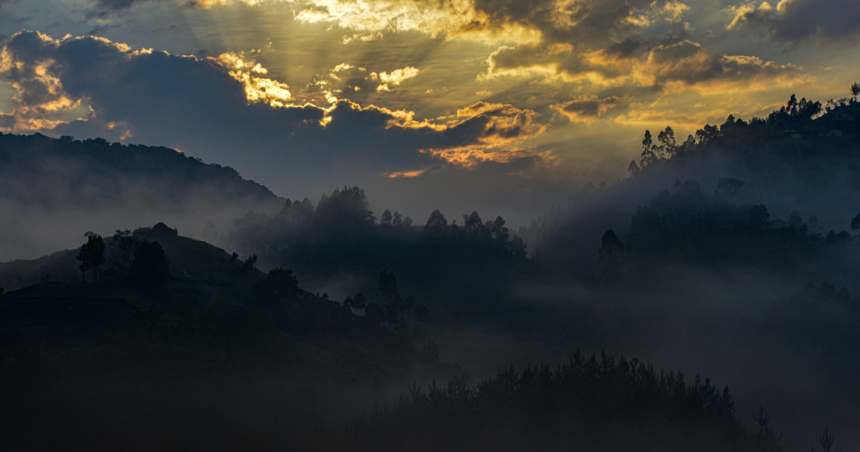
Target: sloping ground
94	354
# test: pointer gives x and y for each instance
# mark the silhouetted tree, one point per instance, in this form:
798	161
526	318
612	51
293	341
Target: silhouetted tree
795	219
150	270
121	253
667	143
250	263
610	251
728	187
648	155
436	224
92	256
855	90
764	439
279	285
855	223
633	168
759	218
386	217
826	440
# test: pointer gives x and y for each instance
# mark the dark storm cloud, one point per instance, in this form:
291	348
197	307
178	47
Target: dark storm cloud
804	21
579	24
103	9
200	104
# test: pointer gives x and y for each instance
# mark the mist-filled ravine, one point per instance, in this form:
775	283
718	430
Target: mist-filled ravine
709	300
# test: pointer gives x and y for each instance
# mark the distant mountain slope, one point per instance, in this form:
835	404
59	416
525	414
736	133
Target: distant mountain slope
63	185
66	172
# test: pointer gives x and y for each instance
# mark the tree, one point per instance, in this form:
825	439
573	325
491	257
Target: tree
397	220
648	155
92	256
150	270
855	90
359	302
855	223
667	142
386	217
728	187
764	439
250	263
346	208
826	440
759	217
279	285
121	253
436	224
610	251
633	168
795	219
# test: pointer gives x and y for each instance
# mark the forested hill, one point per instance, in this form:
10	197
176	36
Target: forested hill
64	186
36	169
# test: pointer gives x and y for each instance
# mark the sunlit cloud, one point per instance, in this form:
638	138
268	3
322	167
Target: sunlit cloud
394	78
258	89
587	108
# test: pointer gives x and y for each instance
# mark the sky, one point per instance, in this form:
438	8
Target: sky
501	106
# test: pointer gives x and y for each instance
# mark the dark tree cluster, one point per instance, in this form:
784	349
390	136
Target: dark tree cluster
341	235
587	403
798	130
130	259
685	222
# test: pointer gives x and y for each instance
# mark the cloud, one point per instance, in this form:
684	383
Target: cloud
257	89
106	8
394	78
689	64
587	108
677	65
226	109
798	22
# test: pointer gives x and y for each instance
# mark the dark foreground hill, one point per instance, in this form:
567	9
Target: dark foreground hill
225	357
115	363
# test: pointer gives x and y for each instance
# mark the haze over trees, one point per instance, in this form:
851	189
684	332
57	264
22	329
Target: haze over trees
728	253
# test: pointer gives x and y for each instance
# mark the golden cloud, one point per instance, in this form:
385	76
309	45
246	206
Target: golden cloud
472	157
394	78
257	89
587	108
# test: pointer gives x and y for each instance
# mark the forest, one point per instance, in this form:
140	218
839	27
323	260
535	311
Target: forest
679	308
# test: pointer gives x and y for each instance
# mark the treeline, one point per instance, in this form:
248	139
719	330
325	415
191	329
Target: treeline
802	157
586	403
684	221
341	236
799	130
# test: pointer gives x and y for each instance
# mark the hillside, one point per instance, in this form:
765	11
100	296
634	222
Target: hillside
220	337
66	185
